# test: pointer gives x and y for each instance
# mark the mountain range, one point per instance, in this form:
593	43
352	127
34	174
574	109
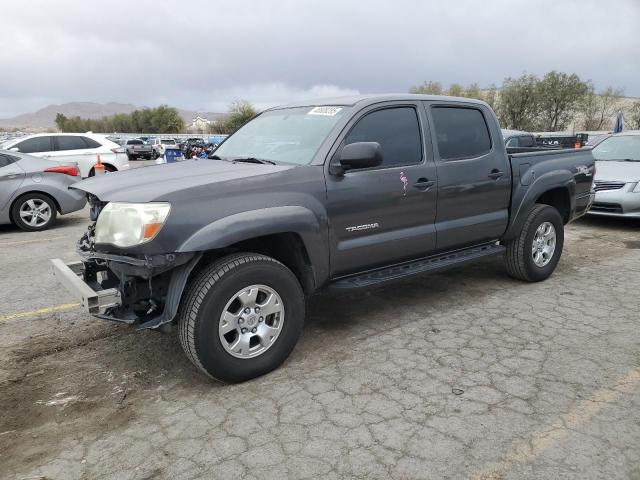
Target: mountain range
45	117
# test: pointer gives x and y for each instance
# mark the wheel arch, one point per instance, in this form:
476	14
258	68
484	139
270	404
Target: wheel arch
290	234
556	189
40	192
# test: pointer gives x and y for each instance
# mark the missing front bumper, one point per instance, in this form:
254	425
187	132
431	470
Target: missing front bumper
94	301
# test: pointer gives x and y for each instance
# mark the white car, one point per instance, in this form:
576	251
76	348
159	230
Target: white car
81	148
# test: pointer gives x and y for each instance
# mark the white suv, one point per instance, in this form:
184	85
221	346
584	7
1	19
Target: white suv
81	148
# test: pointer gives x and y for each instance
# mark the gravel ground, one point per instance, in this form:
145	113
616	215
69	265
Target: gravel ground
465	374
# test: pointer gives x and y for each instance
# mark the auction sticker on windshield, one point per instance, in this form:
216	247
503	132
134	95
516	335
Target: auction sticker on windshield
327	111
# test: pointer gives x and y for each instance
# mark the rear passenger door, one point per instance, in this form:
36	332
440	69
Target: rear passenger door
383	214
75	148
474	178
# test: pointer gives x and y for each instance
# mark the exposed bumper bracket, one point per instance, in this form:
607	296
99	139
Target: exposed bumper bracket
93	301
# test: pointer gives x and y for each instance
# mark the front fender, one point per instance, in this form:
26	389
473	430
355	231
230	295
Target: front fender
265	221
524	197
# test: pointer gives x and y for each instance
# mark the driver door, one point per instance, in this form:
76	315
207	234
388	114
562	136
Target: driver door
383	214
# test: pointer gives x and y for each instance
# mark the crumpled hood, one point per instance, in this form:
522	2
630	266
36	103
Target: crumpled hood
618	171
157	182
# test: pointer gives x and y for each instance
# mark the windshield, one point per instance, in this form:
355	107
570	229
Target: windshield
619	148
290	135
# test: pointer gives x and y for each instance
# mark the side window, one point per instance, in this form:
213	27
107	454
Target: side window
527	141
7	160
70	142
396	130
35	145
512	142
90	142
461	132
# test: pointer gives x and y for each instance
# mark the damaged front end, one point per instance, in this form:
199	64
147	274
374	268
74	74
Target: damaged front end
137	289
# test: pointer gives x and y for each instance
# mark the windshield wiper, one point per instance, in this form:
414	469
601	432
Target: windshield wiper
254	160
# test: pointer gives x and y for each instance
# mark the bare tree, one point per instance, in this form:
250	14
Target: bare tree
597	109
431	88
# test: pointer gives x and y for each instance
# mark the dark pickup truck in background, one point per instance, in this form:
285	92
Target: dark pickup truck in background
337	194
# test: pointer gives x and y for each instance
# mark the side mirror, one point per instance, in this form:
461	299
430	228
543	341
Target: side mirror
359	155
14	149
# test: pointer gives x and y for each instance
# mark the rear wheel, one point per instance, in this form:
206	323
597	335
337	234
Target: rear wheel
534	254
241	317
34	212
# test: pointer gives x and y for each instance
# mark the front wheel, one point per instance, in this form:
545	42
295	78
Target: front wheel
534	254
241	317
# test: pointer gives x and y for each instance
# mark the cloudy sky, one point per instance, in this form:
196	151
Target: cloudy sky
201	54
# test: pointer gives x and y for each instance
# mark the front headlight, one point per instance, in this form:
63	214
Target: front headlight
637	189
129	224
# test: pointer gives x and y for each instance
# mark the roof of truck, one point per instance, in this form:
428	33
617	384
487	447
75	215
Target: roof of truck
352	100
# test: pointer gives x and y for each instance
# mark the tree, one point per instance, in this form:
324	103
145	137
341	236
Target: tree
239	113
455	90
558	95
597	109
519	102
61	122
633	117
429	88
163	119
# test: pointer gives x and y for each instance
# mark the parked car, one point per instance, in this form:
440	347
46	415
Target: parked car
338	194
34	190
617	179
80	148
518	141
137	148
159	145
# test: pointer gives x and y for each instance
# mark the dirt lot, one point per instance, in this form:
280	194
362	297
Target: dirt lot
466	374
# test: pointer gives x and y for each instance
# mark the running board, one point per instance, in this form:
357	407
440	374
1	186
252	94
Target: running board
415	267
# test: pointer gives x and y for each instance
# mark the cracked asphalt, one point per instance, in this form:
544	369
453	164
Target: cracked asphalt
464	374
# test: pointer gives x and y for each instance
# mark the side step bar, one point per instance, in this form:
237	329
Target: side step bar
415	267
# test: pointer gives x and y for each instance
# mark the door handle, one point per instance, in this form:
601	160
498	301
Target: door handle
10	175
424	184
495	174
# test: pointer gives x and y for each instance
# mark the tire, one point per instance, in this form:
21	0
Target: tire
212	292
32	203
520	254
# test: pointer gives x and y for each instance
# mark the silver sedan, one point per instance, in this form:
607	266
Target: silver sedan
617	179
34	190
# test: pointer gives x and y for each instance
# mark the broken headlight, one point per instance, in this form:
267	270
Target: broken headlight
128	224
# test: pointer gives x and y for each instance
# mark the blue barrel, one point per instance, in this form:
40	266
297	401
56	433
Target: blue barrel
172	155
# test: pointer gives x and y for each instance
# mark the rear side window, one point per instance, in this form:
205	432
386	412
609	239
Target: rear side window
34	145
90	142
135	142
396	130
70	142
6	160
461	132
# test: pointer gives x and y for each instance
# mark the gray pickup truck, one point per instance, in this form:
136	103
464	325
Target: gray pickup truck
136	148
336	194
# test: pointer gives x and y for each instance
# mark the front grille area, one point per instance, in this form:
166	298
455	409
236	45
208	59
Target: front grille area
607	185
606	207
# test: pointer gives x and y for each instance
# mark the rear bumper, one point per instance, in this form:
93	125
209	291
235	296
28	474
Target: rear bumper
94	301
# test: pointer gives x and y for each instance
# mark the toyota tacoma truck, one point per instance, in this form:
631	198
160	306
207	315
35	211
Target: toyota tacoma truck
336	194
